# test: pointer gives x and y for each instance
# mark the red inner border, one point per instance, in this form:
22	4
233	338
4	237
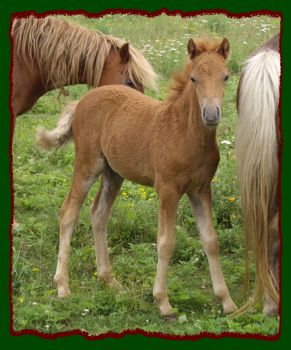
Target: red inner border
140	331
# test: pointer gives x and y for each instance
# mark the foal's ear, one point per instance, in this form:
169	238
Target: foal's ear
223	48
124	53
192	49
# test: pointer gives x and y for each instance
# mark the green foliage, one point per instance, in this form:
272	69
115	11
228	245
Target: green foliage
42	180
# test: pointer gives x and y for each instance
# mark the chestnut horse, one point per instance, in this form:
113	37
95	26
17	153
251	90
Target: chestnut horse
257	146
171	145
49	53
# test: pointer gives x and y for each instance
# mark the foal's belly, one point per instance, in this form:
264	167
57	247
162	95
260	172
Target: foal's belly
133	176
130	169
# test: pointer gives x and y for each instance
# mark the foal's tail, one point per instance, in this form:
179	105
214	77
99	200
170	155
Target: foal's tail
62	134
257	158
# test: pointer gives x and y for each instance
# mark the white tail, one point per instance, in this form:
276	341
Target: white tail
54	139
257	158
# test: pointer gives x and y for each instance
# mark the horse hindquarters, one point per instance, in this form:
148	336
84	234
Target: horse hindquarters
257	158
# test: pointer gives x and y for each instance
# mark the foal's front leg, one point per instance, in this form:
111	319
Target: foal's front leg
201	206
168	201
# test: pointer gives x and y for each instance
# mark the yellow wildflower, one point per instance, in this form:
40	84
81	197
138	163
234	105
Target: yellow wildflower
143	195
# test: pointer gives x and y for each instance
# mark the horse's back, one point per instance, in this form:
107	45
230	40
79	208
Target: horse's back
271	44
263	66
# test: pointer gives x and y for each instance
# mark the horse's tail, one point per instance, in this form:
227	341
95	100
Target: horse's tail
62	134
257	159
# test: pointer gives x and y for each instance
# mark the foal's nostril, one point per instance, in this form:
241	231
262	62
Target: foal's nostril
218	112
204	112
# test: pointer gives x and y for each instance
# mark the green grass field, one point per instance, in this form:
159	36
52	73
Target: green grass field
42	180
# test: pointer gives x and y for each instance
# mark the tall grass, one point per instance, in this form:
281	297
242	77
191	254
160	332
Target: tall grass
41	181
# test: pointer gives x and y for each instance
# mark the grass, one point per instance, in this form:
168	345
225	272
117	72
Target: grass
41	181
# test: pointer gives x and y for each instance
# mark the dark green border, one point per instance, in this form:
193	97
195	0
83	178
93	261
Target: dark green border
132	341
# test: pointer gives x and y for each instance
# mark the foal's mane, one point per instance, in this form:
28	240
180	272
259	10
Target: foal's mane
60	47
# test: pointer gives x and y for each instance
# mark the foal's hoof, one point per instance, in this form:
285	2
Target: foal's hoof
171	317
63	293
229	307
113	283
15	225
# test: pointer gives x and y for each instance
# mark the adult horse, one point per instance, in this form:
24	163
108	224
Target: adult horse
50	53
171	145
257	147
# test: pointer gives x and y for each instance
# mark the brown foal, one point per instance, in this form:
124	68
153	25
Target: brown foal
121	134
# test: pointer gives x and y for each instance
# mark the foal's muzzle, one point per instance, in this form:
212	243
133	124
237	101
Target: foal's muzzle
211	115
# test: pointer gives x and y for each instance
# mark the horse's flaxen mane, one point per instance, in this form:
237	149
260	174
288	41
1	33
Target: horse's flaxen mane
60	47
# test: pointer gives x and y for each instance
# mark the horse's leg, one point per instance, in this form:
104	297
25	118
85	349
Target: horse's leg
270	306
82	181
168	202
100	214
201	206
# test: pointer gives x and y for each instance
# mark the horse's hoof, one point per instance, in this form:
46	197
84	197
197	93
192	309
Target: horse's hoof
271	309
229	307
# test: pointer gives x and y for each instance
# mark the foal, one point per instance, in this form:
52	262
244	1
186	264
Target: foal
170	145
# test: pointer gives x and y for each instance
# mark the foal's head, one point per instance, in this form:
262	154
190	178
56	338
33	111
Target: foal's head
208	75
117	69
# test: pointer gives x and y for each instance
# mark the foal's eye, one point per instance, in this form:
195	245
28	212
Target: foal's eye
193	80
129	83
226	77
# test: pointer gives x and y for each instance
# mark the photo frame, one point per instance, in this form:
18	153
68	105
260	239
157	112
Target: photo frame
131	339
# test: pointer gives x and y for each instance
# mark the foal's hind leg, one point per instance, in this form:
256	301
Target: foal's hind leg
271	307
201	205
100	214
83	179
